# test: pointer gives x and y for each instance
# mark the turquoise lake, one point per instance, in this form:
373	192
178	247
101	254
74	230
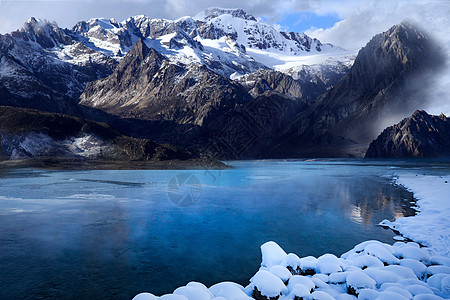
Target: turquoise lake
102	234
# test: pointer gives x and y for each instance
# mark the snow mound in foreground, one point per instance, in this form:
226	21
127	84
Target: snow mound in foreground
371	270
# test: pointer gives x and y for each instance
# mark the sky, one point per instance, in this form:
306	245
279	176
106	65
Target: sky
346	23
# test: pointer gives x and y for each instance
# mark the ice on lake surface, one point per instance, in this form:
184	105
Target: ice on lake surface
113	234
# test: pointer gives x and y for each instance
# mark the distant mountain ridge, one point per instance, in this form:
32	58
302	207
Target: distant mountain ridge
58	63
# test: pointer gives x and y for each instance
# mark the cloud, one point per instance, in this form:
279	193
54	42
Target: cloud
364	19
361	22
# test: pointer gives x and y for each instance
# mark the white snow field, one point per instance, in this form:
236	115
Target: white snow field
372	270
431	226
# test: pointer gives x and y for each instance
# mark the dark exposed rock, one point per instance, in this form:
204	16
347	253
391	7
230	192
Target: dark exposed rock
248	131
134	71
380	83
258	296
420	135
306	83
146	86
209	31
46	34
264	81
27	133
214	12
36	78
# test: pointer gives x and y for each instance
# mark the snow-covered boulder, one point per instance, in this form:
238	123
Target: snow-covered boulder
417	289
272	254
402	272
445	287
388	295
436	280
145	296
301	280
440	260
328	263
281	272
431	270
265	284
337	277
299	291
292	263
367	294
319	283
364	261
172	297
320	295
229	290
381	276
414	252
379	251
308	265
416	266
400	291
358	280
427	297
194	292
323	277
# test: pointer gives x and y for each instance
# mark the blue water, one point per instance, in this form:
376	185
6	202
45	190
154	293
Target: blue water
112	234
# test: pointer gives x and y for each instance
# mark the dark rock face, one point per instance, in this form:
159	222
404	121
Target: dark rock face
420	135
264	81
33	76
134	71
306	83
46	34
248	131
317	79
146	86
214	12
30	133
382	83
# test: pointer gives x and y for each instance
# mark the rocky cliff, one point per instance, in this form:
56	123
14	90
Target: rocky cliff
420	135
146	86
27	133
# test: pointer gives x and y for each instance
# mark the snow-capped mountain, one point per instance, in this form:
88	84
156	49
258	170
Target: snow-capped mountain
248	31
222	78
228	41
42	63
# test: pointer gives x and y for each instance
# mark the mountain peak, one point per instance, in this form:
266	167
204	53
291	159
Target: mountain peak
34	24
47	34
420	135
214	12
